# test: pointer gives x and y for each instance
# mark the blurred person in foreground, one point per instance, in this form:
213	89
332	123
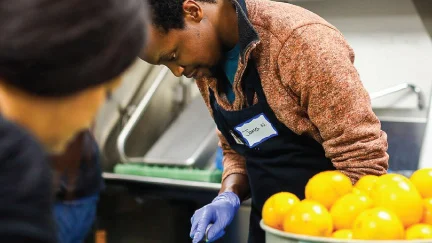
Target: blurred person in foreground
59	61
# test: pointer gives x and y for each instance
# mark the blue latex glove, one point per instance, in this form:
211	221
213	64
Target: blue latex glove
220	213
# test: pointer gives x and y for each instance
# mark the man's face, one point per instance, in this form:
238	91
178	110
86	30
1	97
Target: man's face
191	51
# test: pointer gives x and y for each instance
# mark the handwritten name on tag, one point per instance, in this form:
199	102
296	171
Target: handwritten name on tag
256	130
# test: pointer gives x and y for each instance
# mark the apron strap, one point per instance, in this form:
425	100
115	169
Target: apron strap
225	128
253	84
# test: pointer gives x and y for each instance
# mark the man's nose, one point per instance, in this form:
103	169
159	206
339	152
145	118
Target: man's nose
177	70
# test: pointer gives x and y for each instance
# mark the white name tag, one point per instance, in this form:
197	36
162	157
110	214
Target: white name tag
256	130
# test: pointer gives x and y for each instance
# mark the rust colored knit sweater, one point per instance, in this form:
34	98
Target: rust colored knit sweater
311	84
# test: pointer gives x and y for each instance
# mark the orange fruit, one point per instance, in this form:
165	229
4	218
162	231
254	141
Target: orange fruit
366	183
345	234
397	193
422	180
276	207
308	218
419	232
326	187
378	224
345	210
357	191
427	211
391	177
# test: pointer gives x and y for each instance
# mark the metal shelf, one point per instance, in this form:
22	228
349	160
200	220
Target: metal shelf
163	181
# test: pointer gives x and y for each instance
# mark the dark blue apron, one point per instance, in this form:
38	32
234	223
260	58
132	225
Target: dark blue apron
281	161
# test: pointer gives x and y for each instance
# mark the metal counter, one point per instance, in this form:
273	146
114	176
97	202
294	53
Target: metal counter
163	181
136	209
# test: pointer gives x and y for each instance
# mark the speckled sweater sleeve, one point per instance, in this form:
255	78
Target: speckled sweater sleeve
233	162
316	63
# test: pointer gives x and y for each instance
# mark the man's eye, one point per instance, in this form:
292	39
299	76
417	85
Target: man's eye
173	57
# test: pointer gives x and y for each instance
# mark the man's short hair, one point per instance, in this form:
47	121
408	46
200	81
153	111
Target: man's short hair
168	14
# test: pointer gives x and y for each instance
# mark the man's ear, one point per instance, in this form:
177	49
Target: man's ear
192	11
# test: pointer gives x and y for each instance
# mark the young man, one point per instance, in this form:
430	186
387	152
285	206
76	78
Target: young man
284	93
58	62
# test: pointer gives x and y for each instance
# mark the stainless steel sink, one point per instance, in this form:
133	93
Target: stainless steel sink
405	129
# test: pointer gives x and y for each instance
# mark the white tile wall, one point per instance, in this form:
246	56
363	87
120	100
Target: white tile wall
390	40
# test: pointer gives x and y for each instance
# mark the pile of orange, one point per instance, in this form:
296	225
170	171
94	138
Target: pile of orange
387	207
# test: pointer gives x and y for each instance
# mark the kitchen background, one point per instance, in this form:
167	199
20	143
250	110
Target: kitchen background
158	119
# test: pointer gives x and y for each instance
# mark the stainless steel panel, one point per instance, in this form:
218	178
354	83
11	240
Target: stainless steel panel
238	230
137	114
401	87
405	130
404	144
160	112
191	139
162	109
111	111
426	152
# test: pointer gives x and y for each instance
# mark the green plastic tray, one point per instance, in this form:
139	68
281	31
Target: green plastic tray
170	172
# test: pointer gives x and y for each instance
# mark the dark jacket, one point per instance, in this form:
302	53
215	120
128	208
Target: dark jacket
26	195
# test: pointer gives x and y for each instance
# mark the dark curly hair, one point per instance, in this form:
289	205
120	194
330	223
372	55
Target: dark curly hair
168	14
57	48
